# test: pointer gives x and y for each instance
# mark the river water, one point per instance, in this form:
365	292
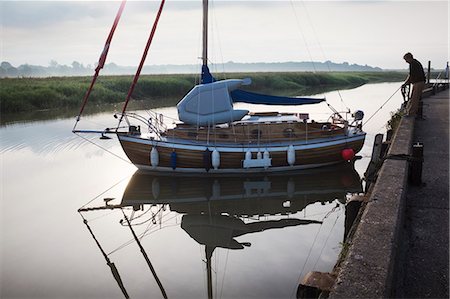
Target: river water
236	237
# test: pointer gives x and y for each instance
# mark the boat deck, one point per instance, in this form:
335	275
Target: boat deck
258	129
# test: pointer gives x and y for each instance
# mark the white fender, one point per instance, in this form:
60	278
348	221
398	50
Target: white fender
248	155
259	156
155	188
154	157
291	155
215	159
266	154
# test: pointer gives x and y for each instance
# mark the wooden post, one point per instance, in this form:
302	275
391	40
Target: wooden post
389	134
373	167
415	166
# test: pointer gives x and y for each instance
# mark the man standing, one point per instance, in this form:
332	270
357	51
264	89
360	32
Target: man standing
417	78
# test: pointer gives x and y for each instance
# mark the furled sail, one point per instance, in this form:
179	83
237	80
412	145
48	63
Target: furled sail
243	96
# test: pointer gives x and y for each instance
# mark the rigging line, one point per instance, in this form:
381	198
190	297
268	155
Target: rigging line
145	221
103	148
147	259
141	215
141	64
327	61
309	254
125	244
305	9
224	272
158	228
326	241
101	216
381	107
113	186
101	61
312	246
302	35
110	264
216	32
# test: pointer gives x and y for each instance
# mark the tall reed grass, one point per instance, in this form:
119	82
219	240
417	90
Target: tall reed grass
30	94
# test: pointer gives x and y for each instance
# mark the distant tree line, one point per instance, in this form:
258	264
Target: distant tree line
54	69
78	69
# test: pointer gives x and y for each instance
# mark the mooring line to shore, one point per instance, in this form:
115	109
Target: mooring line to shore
381	107
103	148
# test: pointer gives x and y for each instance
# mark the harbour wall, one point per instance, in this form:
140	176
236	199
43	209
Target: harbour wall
370	266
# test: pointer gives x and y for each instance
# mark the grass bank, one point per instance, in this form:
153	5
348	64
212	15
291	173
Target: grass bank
31	94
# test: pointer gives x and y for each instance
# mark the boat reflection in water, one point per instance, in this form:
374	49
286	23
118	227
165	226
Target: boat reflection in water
215	211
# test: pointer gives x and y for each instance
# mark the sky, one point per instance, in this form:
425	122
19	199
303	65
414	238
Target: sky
376	33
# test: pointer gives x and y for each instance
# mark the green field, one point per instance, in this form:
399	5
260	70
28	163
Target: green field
32	94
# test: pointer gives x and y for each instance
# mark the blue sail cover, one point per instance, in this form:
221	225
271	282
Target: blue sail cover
242	96
206	75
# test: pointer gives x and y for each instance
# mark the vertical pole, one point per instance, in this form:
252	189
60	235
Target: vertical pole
205	33
416	164
429	72
374	163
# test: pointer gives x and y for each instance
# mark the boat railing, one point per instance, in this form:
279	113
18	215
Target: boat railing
154	122
355	121
256	135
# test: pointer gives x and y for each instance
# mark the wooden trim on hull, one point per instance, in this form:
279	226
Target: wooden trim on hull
189	159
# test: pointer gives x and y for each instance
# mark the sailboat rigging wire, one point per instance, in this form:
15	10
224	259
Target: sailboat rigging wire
327	61
111	265
103	148
147	220
101	61
144	253
326	240
141	236
302	35
113	186
141	64
381	107
309	254
224	273
312	246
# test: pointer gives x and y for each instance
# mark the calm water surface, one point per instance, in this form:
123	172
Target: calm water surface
235	237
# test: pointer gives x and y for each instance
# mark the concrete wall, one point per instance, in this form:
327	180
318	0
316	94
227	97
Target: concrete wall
368	269
367	272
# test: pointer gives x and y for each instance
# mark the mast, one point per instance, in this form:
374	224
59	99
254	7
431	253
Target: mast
205	33
206	75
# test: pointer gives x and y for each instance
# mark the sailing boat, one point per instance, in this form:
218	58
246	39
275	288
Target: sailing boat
214	137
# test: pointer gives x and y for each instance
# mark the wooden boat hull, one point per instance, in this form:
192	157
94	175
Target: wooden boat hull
190	157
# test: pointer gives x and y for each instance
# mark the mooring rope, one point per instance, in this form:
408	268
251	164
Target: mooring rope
381	107
103	148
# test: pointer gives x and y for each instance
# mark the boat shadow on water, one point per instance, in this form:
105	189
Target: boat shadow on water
215	211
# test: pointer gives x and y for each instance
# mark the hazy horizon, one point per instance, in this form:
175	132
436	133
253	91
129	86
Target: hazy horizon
374	33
